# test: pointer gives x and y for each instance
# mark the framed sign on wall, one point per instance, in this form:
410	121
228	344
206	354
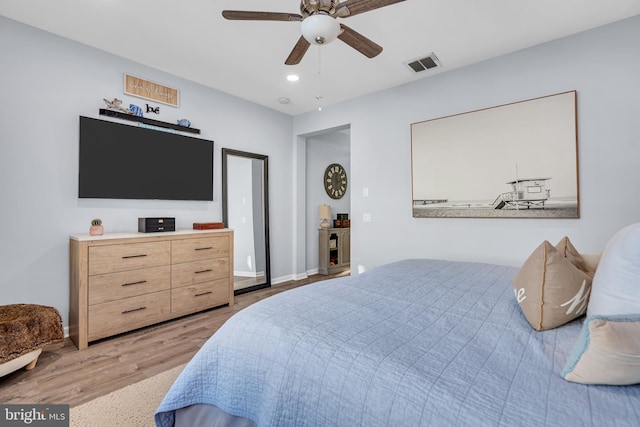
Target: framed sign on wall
518	160
150	90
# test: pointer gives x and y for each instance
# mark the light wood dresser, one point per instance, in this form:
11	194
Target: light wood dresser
124	281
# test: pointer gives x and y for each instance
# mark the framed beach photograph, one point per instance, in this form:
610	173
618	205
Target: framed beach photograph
517	160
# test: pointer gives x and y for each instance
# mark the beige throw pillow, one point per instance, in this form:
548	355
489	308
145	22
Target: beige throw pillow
607	352
550	289
573	256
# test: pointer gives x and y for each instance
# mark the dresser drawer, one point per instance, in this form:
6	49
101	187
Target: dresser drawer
189	273
201	248
189	299
114	317
125	284
113	258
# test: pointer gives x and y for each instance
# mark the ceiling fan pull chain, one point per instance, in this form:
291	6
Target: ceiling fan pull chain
319	97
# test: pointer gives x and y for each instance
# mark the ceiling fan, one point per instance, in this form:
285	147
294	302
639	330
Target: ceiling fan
318	24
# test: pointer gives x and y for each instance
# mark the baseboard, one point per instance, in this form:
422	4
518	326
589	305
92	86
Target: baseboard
282	279
248	273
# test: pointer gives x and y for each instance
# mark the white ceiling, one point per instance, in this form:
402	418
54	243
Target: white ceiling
192	40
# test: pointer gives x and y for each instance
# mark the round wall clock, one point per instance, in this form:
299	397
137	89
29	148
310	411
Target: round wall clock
335	181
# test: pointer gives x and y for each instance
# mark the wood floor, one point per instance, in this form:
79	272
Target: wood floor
65	375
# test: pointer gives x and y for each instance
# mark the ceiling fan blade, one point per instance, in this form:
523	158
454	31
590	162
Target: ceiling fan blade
298	52
355	7
359	42
241	15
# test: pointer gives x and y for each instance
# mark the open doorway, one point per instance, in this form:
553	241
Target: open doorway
328	251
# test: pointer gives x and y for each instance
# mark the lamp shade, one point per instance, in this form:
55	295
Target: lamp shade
324	212
320	29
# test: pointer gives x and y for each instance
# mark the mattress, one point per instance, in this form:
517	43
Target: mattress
413	343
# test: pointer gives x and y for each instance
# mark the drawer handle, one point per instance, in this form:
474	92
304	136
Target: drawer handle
203	293
204	249
204	271
139	282
134	256
135	309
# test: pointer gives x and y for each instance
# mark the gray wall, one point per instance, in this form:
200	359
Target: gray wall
46	82
601	64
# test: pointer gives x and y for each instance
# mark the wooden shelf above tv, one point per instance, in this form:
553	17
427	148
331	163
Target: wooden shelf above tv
131	117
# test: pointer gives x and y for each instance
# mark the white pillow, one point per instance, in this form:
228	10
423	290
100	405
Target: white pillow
616	284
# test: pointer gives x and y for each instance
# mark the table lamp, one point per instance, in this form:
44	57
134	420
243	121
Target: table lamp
324	213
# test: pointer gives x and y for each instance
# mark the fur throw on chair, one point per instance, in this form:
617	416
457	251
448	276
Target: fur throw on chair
27	327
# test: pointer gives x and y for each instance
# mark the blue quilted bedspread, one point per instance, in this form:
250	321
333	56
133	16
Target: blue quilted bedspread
413	343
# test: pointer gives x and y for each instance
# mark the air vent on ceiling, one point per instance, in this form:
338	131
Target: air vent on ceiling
423	64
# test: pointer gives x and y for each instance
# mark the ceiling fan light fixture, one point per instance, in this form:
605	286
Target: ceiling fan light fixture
320	29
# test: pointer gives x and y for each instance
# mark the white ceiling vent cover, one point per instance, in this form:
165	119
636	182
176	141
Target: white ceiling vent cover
423	64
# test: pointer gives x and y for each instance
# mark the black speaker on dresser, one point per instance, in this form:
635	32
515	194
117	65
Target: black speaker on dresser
156	225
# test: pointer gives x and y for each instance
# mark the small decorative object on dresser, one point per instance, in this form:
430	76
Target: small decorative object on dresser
342	221
96	228
184	122
156	225
208	225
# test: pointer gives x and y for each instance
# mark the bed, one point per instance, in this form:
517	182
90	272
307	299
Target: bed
413	343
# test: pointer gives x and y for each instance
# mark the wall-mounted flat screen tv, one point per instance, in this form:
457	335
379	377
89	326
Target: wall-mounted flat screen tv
120	161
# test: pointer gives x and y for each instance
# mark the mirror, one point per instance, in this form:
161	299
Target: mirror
245	209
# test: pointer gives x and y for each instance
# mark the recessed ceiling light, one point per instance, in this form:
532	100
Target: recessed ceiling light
283	100
293	77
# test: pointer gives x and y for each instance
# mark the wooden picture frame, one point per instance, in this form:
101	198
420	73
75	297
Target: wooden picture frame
518	160
152	91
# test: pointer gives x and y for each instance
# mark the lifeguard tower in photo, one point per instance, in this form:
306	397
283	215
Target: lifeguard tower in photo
524	193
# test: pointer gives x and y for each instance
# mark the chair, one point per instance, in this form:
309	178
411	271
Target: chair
24	330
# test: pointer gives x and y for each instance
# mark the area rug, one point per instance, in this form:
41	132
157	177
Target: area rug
131	406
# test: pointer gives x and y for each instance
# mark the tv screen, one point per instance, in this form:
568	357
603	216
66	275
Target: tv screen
119	161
